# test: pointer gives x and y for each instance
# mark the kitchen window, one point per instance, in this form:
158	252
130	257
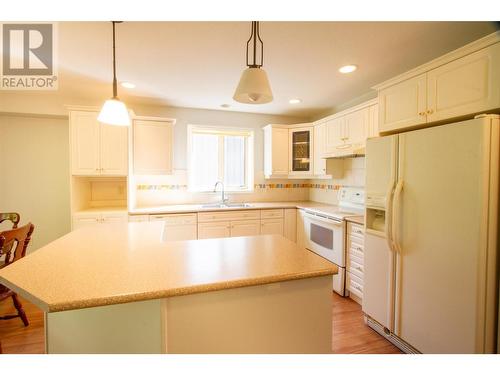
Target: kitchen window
220	154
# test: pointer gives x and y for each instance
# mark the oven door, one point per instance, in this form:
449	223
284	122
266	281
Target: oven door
325	237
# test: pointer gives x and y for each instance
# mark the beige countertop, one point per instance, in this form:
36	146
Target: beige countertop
356	219
184	208
119	263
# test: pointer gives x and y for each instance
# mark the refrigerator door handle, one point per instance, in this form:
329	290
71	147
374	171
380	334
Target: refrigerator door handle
395	215
389	213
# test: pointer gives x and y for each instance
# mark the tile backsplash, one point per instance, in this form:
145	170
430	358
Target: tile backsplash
165	190
344	172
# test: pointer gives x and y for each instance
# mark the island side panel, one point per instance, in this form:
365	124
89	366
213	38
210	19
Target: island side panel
286	317
135	327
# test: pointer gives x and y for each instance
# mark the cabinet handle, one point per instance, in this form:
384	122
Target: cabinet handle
430	111
421	113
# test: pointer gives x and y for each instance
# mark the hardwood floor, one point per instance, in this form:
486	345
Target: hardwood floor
350	334
15	337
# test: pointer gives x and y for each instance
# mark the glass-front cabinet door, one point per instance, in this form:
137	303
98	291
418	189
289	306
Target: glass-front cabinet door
301	147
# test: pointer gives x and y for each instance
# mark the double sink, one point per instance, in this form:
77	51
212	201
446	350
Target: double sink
226	205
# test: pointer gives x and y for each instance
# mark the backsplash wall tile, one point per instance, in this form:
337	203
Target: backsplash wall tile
165	190
349	172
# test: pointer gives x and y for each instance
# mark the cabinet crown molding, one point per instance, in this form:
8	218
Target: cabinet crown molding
368	103
474	46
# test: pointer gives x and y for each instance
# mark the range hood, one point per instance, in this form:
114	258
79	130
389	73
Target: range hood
346	151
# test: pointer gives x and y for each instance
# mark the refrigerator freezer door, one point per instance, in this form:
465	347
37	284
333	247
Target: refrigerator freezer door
378	297
441	225
380	169
378	293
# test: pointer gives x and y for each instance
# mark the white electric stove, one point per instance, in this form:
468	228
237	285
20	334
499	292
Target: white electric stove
325	229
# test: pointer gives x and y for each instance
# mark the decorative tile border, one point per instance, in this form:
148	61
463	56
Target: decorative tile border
161	187
256	186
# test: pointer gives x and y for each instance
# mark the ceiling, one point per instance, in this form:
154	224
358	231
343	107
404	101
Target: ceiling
198	64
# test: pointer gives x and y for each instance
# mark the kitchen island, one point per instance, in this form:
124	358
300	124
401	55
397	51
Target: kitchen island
120	288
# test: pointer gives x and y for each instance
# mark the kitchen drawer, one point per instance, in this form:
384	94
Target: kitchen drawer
356	239
271	214
205	217
355	230
355	266
354	285
175	219
356	249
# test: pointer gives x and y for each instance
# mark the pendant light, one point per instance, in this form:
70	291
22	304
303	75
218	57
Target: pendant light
253	87
114	111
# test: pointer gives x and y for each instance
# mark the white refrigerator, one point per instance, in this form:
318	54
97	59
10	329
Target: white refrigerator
431	245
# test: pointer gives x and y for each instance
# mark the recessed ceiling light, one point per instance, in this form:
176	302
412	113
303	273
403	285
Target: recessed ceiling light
294	101
348	69
225	105
128	85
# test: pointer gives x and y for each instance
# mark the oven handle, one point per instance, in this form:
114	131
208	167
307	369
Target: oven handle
322	219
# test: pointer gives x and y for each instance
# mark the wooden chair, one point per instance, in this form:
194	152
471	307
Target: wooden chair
13	244
11	216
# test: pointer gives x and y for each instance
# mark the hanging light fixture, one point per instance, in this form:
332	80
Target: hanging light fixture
253	87
114	111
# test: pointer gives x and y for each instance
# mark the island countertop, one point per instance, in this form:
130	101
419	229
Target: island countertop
119	263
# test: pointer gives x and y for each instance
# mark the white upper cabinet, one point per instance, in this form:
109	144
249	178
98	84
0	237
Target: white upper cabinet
462	83
334	134
301	151
347	131
355	128
152	146
97	149
288	151
373	121
467	85
403	105
275	151
114	150
319	163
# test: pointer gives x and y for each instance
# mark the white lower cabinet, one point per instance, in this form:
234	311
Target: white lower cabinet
245	228
138	218
355	260
271	226
218	229
85	219
178	227
243	223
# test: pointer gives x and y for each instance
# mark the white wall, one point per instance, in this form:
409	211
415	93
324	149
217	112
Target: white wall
34	174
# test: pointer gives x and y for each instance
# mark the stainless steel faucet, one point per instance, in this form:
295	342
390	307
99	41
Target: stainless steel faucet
223	198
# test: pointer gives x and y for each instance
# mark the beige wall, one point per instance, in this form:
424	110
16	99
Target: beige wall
34	170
